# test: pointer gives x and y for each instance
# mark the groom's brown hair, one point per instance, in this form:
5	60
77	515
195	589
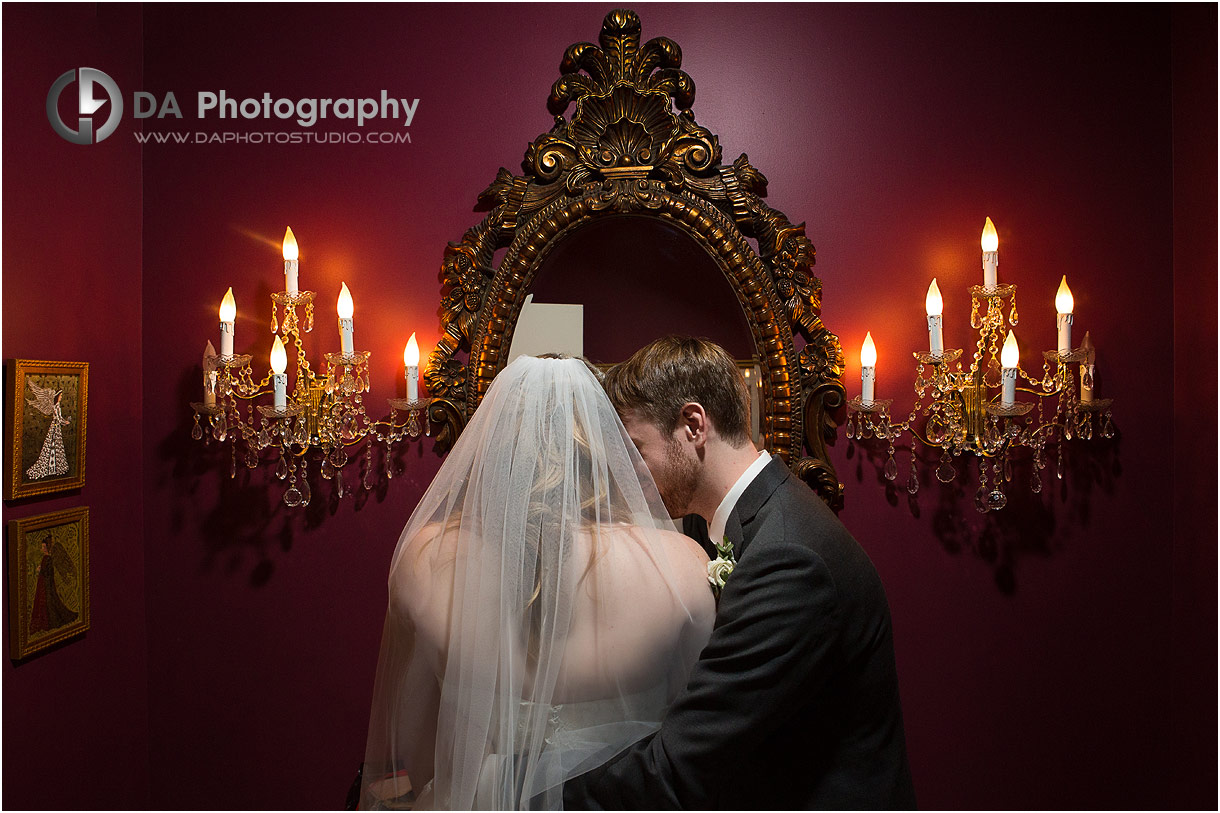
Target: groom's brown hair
662	376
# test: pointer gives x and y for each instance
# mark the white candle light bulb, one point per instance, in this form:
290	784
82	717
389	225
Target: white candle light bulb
410	360
290	245
935	306
868	351
1063	297
991	257
228	313
279	379
290	261
868	369
1063	316
1010	356
228	307
279	357
991	238
346	306
933	303
346	324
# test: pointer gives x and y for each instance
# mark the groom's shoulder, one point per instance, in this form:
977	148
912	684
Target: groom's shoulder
795	517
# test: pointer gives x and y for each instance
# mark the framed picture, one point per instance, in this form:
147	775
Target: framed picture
48	571
45	450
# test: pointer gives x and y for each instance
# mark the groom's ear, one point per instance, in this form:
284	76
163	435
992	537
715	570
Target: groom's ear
693	424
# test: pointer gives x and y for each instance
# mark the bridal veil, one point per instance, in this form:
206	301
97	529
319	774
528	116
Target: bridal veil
542	611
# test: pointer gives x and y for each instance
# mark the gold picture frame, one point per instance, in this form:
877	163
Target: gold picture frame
48	590
47	410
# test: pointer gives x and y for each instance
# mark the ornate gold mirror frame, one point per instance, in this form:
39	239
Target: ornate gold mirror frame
625	150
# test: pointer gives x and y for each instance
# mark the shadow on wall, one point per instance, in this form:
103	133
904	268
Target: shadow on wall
1025	527
247	503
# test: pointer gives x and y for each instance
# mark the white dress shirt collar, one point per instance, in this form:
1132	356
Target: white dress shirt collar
721	518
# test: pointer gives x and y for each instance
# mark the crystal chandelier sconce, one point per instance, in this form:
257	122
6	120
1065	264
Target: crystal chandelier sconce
976	411
323	417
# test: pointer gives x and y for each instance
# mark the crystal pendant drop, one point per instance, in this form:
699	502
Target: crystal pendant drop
251	459
368	468
281	468
197	430
1067	429
913	480
851	432
389	467
1107	429
996	500
1035	482
980	500
891	469
1007	470
275	325
306	494
328	471
220	429
338	457
339	484
1059	467
945	471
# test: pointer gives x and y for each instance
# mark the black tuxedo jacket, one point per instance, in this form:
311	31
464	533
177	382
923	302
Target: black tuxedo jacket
794	701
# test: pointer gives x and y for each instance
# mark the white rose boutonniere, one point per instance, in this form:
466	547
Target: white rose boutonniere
718	569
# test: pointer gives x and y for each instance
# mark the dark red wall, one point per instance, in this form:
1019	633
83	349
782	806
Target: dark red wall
76	718
1041	650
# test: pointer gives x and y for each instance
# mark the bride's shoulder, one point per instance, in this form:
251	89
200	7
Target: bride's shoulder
643	554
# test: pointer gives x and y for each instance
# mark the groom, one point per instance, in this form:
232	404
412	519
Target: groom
794	701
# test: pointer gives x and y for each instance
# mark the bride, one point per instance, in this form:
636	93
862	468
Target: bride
542	610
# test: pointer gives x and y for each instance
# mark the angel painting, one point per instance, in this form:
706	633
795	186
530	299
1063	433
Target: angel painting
49	611
52	460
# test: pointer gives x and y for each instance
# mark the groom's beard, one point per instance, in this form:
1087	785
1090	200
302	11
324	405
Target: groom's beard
677	480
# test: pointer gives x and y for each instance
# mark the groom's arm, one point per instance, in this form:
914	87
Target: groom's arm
772	647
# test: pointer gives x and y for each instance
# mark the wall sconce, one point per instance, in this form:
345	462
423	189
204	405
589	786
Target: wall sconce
976	411
325	414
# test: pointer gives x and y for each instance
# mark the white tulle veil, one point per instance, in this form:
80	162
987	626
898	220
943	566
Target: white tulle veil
534	628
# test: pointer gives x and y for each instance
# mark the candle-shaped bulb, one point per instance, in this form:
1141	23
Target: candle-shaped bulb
346	323
868	369
209	354
991	238
228	307
290	245
934	305
1090	352
279	380
346	306
868	351
228	312
290	262
279	357
1010	355
1063	297
1063	317
410	360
